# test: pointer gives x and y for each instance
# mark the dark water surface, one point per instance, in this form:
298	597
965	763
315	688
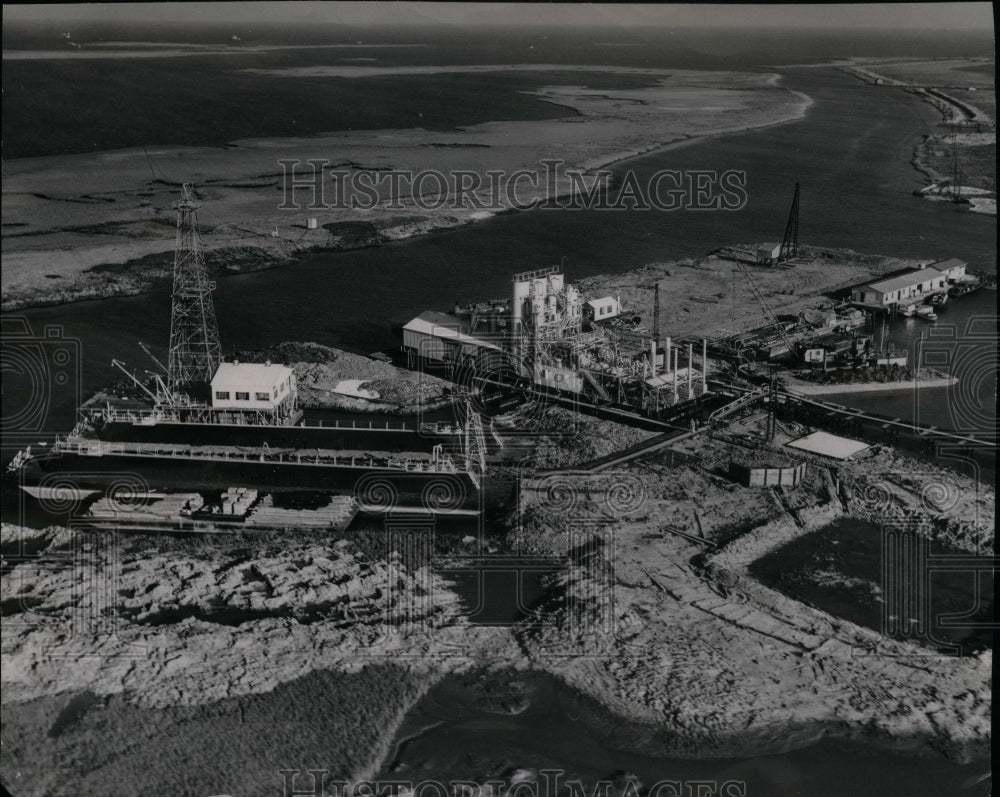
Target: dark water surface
965	336
850	153
458	730
839	569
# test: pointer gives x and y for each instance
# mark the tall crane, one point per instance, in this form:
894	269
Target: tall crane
790	243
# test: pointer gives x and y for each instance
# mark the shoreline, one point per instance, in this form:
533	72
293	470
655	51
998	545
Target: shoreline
870	387
795	733
960	115
104	275
616	733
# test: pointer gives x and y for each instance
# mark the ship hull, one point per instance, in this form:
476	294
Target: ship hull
298	437
373	485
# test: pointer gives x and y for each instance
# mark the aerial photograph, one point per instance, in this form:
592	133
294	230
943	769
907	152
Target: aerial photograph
455	399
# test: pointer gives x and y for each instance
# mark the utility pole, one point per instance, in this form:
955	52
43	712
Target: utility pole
956	177
195	349
656	313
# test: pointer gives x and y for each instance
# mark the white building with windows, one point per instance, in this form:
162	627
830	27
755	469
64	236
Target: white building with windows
904	288
952	268
603	309
261	387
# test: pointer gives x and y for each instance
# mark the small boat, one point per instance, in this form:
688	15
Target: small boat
927	313
906	310
938	300
964	288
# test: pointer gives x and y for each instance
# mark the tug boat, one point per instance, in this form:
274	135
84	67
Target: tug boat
927	313
965	288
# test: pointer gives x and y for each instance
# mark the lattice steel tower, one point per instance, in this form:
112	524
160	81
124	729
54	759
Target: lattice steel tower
195	350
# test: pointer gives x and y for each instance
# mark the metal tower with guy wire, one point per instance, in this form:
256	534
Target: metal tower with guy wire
790	243
195	349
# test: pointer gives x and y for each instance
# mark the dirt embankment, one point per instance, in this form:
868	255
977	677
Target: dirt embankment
706	658
559	438
709	297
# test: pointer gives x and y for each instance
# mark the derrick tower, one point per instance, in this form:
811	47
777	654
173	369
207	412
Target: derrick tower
790	243
195	349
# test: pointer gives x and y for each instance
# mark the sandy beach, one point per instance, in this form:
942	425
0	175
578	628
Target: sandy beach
806	389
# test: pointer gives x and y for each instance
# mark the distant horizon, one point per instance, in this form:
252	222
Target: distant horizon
899	17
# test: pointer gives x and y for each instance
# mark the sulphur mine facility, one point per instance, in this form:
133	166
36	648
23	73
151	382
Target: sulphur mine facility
548	335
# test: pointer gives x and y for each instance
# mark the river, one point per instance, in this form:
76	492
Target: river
850	154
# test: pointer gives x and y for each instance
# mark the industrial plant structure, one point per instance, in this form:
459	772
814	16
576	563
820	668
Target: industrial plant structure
547	335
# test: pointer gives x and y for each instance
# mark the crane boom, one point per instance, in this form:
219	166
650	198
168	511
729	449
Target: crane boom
151	356
138	382
790	243
768	312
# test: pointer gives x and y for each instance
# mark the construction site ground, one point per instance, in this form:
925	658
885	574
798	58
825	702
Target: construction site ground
708	297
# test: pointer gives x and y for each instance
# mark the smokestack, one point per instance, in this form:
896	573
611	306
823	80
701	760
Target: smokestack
675	374
704	365
666	356
652	356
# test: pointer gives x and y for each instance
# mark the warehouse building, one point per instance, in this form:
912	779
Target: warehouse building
441	338
952	268
902	288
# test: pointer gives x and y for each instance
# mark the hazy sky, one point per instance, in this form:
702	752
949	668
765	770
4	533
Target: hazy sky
910	16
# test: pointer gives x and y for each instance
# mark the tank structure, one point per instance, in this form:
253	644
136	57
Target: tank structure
550	339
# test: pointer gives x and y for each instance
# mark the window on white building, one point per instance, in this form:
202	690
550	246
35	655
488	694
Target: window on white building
241	396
